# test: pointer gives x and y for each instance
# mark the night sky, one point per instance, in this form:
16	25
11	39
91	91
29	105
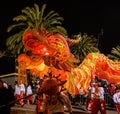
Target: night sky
85	16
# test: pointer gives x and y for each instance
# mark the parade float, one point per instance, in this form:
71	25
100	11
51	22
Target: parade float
49	53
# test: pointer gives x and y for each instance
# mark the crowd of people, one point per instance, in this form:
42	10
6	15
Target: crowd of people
19	93
30	94
96	98
26	94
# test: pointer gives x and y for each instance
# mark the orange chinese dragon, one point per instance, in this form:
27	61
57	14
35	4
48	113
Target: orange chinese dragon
46	52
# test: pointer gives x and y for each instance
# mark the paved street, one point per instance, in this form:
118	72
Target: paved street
30	109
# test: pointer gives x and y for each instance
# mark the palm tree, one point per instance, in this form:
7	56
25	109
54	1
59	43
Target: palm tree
86	45
32	18
115	53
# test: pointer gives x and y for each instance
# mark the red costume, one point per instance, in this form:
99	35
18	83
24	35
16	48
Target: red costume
22	93
98	102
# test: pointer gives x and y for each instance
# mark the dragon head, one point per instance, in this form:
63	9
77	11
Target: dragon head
36	43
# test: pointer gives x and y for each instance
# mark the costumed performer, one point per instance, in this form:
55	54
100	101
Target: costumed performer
116	99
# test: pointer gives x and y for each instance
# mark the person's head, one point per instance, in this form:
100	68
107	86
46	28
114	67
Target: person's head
21	82
112	84
40	82
33	81
16	82
100	84
96	78
53	98
92	84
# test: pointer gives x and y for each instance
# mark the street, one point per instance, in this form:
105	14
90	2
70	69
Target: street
30	109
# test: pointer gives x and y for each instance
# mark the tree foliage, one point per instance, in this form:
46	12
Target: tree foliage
115	53
86	45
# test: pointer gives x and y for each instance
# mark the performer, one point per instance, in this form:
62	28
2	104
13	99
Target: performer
116	99
90	96
17	91
41	106
29	94
56	101
98	99
57	104
22	93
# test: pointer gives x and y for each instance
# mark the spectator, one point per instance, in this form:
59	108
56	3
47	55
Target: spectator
111	88
33	87
6	99
111	91
5	84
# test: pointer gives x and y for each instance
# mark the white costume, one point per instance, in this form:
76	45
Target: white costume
98	102
29	90
116	97
17	90
5	85
22	88
101	93
22	93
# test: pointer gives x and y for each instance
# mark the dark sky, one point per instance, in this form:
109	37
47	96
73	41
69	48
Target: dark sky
85	16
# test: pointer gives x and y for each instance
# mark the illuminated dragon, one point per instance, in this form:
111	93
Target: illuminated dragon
47	52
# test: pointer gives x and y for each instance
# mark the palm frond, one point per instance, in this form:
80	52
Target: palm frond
20	18
115	53
36	8
11	27
28	12
41	14
84	47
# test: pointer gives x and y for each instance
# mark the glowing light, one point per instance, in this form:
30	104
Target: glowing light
46	53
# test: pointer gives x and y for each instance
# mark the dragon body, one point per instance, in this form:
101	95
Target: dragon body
94	64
